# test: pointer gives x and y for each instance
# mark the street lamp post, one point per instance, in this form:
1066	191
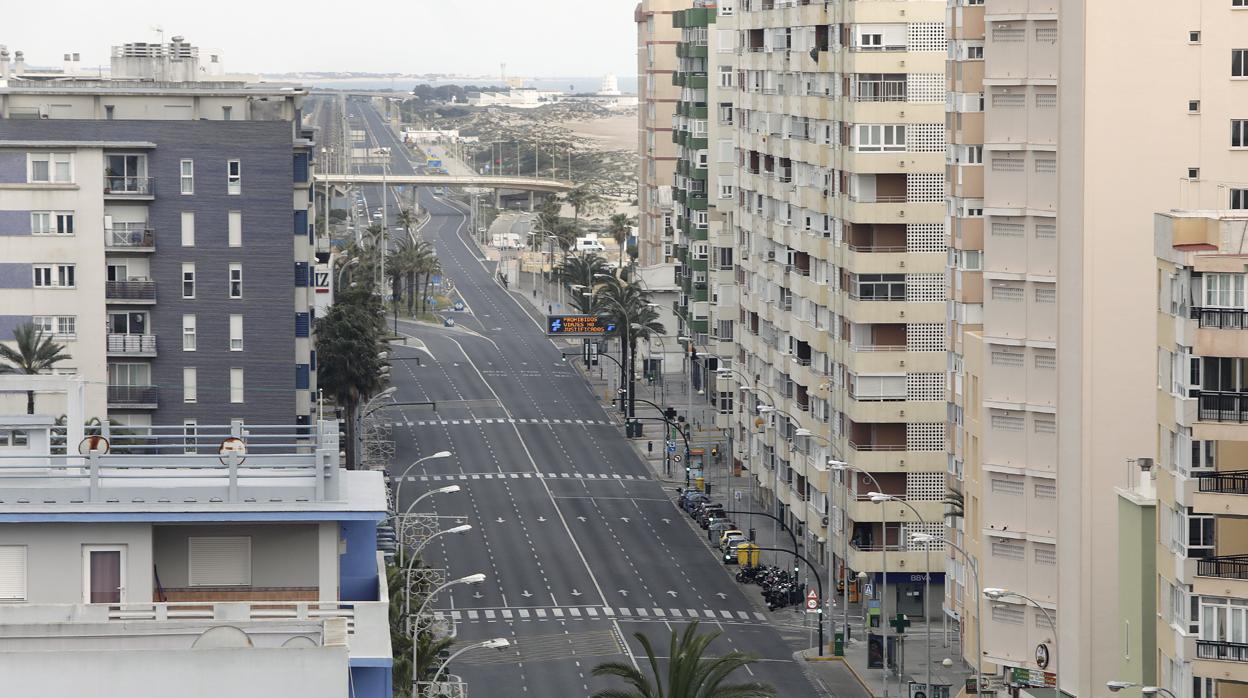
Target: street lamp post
841	467
997	594
1115	686
401	525
470	579
881	498
775	493
398	490
973	565
497	643
464	528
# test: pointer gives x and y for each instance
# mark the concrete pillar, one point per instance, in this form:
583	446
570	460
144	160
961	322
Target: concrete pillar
531	199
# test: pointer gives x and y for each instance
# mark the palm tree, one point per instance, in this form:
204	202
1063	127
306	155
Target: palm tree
581	199
430	268
619	228
34	353
430	648
690	674
406	219
629	308
548	214
581	269
348	342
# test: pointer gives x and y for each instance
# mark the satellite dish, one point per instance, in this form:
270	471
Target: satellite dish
94	445
232	446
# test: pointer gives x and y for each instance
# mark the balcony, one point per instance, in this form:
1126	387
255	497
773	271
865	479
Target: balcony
1223	575
130	237
133	396
137	292
1223	406
880	91
1220	318
128	187
131	345
1222	651
1218	332
1228	661
1222	493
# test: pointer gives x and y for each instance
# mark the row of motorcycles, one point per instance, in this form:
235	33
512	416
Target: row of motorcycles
780	588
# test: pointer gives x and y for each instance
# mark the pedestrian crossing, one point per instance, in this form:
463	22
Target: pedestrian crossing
522	476
499	420
557	613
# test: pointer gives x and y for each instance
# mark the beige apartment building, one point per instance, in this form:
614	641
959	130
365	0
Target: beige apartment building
1053	327
841	245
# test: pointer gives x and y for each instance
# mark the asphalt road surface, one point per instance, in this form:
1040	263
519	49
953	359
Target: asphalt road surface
580	547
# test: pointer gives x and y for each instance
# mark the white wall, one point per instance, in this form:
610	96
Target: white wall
54	558
314	672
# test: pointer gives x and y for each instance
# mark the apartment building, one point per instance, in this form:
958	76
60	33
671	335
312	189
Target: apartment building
1200	642
840	235
189	573
657	95
704	194
148	226
1053	325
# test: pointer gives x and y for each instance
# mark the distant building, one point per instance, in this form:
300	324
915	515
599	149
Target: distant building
610	86
162	232
258	576
519	98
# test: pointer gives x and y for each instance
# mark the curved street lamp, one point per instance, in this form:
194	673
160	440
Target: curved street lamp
497	643
1115	686
470	579
973	565
880	498
398	490
998	594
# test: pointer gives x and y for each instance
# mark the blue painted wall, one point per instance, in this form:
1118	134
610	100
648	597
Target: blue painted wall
370	682
357	567
12	167
14	223
16	275
8	323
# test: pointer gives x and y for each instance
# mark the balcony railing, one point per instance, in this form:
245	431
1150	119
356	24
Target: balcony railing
125	185
1218	406
132	344
132	395
1221	318
1223	651
876	447
1224	567
1226	482
129	236
130	290
880	91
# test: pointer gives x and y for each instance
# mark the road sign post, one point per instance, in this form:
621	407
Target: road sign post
812	601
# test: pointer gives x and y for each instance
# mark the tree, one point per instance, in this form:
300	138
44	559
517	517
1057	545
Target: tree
629	307
620	228
581	199
348	341
406	219
430	267
430	648
34	352
690	674
581	269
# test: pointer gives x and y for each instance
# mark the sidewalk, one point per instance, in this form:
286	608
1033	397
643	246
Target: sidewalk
846	677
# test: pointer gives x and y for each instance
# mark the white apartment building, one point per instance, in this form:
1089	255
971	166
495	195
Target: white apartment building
656	105
840	238
165	568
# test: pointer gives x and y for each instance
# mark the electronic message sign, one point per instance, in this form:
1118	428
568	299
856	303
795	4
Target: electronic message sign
578	326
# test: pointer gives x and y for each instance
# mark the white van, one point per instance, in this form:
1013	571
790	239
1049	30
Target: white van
589	244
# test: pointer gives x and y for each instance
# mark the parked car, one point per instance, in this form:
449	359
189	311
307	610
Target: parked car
716	530
730	549
707	515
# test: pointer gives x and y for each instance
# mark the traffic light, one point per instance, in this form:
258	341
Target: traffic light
670	413
714	451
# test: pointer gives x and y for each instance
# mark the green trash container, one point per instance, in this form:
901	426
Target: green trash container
838	644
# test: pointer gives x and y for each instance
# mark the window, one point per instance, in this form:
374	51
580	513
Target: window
236	281
236	385
190	393
234	177
54	276
975	52
12	573
190	436
188	333
188	279
1239	133
59	326
49	168
1193	106
236	333
226	113
1193	173
1239	63
1224	290
219	561
236	229
51	223
1239	199
108	112
188	228
1193	37
874	138
188	176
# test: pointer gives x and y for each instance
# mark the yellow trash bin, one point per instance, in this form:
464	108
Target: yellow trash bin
700	483
747	555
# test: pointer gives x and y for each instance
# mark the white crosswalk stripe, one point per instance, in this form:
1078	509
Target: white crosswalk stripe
500	420
586	613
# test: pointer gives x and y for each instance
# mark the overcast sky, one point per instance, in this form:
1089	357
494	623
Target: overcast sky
536	38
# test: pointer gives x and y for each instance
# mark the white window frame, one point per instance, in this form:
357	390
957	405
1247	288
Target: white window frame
190	339
188	275
186	176
52	223
188	228
54	276
234	177
190	436
236	333
235	228
190	384
1222	290
204	577
235	279
880	138
13	563
52	160
238	393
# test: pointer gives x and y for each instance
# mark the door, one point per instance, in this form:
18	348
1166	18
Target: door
104	573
